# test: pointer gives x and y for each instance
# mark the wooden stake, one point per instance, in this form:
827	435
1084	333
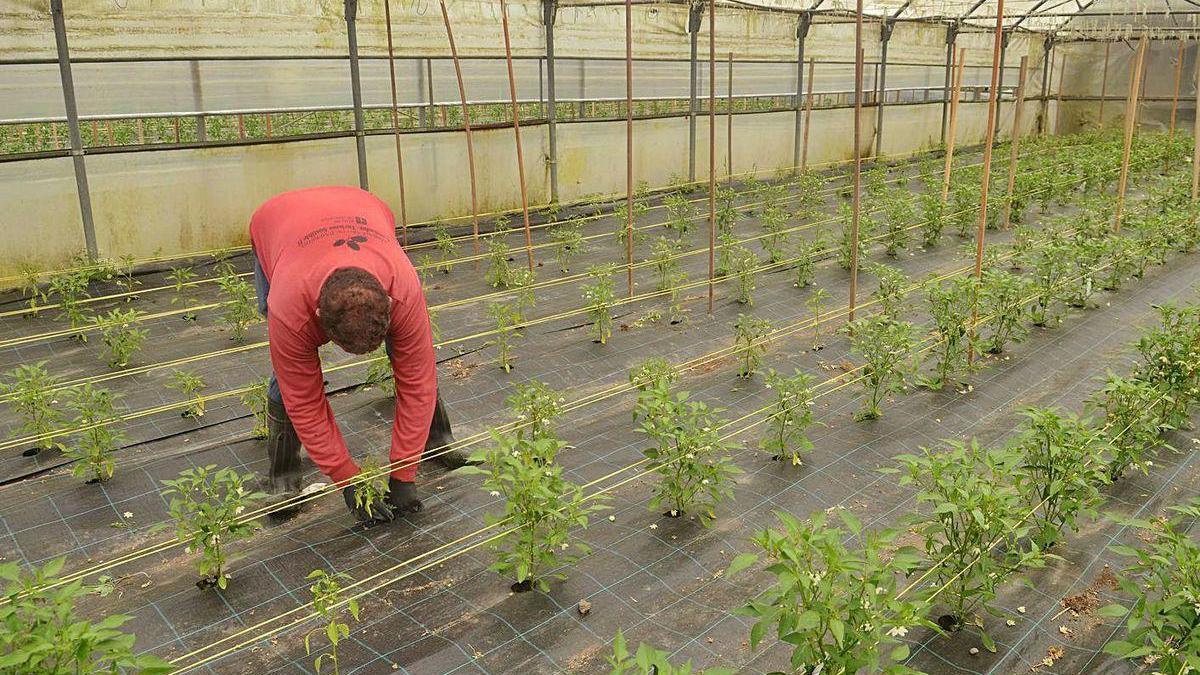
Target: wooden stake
1104	83
387	19
712	150
1178	81
466	113
812	64
857	209
141	131
512	91
241	126
955	93
986	180
629	144
1015	141
1130	124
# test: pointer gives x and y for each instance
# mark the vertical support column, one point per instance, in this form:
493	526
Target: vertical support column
387	17
421	89
802	28
1178	81
729	122
712	150
356	92
1047	48
951	39
1104	83
197	101
808	101
857	207
549	13
885	36
582	86
68	90
466	113
629	145
986	180
512	92
1015	142
1130	126
1196	141
695	15
950	140
1003	60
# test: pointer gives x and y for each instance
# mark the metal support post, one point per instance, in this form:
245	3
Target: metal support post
68	89
885	36
549	13
802	28
360	142
951	39
695	17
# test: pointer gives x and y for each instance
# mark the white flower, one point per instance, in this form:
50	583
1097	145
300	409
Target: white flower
564	546
128	514
689	456
653	526
495	493
704	482
612	519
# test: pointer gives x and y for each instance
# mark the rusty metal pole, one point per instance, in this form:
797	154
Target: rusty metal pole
1196	142
1130	125
466	113
360	139
387	18
1104	83
857	208
956	92
1015	142
512	92
712	150
1178	81
986	180
629	144
808	101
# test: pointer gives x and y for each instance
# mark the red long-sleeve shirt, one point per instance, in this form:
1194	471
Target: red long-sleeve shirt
300	238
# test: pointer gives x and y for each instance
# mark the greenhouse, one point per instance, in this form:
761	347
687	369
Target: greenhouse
599	336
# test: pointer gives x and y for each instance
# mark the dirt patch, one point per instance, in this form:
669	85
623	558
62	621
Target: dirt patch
1089	600
582	661
460	370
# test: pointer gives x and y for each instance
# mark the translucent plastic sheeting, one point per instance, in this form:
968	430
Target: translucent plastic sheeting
1085	77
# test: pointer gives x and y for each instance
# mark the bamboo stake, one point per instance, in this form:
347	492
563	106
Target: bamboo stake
812	64
1178	81
387	19
1015	142
857	209
956	91
1130	124
1104	83
629	144
986	180
512	91
712	150
466	112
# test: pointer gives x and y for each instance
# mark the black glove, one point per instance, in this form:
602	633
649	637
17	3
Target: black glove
380	513
402	497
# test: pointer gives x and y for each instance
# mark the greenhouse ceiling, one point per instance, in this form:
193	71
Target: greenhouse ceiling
1071	19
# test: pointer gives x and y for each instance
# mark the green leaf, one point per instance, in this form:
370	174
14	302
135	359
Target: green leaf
1112	611
740	563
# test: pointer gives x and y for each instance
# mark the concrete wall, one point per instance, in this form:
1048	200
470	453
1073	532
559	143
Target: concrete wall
176	201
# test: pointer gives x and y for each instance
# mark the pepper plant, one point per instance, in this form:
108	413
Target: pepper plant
180	277
254	397
950	304
535	406
71	288
120	335
499	271
890	292
680	214
379	372
670	275
1164	580
600	295
805	263
792	415
650	661
744	266
540	509
508	322
1171	360
568	242
97	439
973	530
691	458
328	603
774	224
886	348
838	609
1050	268
371	491
523	280
898	211
190	385
240	308
43	632
1003	299
206	504
933	211
30	391
845	249
1062	466
653	370
446	246
1133	422
749	343
816	304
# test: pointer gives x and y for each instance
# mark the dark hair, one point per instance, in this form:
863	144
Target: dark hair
354	309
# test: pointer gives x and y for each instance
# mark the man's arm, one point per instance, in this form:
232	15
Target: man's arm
298	370
414	370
